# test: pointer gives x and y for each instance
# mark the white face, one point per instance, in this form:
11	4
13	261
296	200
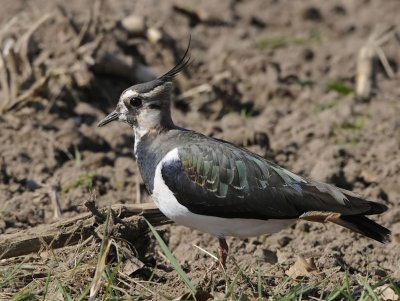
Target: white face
128	94
144	106
144	116
124	98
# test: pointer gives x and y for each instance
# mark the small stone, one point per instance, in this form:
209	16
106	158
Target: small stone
31	184
380	273
312	14
303	226
267	256
270	256
308	55
386	293
256	242
134	24
154	35
262	139
284	241
339	10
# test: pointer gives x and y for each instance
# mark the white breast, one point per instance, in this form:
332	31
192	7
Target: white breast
221	227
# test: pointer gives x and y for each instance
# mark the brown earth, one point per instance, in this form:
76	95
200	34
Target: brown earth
274	76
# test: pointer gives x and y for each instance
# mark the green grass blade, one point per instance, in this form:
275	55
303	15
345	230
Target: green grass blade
25	296
172	258
63	292
111	276
233	284
395	287
11	275
85	292
46	287
368	289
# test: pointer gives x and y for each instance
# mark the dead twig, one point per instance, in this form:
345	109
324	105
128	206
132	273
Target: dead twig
71	231
10	60
23	44
4	83
366	69
70	19
90	204
101	263
25	96
53	191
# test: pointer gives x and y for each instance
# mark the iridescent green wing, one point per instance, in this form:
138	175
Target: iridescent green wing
219	179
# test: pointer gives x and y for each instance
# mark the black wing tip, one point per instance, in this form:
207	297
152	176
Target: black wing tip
370	207
376	208
183	63
367	227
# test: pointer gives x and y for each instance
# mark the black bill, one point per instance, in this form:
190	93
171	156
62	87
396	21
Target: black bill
110	117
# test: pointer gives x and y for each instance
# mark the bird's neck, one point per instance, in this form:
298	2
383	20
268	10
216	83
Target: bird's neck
150	149
151	127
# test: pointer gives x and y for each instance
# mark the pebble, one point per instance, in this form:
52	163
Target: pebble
134	24
284	241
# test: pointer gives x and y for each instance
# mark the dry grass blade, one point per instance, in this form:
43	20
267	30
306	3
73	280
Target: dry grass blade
54	194
23	44
206	252
172	259
25	96
365	76
101	264
4	83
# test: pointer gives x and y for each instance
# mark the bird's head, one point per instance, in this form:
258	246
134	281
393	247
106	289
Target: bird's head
146	107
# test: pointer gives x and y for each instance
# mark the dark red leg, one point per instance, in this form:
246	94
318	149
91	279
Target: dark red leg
223	251
223	254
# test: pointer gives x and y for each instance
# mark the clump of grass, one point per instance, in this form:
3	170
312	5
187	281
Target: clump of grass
355	124
84	181
72	282
275	42
339	87
358	123
345	132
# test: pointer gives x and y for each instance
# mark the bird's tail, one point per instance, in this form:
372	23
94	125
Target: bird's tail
364	226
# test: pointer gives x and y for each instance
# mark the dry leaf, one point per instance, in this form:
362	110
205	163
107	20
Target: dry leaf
302	268
131	265
386	293
368	176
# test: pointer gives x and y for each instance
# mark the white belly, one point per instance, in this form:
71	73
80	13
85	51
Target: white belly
218	226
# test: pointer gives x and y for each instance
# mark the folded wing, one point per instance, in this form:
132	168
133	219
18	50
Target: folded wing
222	180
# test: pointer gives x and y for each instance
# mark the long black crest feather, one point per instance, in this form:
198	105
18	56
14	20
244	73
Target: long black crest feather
182	64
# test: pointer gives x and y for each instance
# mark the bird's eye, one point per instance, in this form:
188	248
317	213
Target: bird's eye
135	102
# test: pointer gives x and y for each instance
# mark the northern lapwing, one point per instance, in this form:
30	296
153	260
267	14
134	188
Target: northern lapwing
216	187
